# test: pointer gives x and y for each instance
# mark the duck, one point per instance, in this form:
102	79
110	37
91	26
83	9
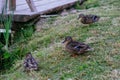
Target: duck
30	64
75	47
88	19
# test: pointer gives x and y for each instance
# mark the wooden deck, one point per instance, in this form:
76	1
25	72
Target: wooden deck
23	13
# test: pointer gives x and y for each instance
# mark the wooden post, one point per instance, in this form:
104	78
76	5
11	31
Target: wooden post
31	5
12	5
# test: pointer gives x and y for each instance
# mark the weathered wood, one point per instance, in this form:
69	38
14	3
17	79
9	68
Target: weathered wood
56	6
23	18
42	7
31	5
2	6
12	5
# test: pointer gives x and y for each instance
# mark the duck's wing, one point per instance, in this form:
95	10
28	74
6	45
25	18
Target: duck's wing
87	19
26	61
95	18
34	62
82	47
71	46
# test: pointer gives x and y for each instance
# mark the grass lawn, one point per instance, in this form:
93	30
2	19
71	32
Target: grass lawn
56	64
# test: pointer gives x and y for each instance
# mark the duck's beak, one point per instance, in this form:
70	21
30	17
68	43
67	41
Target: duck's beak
64	41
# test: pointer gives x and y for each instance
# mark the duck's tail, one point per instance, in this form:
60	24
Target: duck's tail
96	18
90	49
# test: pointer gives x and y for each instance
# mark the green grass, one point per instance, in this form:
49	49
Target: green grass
7	22
56	64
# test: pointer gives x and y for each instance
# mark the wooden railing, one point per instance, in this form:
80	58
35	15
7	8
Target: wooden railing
31	5
12	5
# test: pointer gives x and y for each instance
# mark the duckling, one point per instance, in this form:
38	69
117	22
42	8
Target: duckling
88	19
75	46
30	63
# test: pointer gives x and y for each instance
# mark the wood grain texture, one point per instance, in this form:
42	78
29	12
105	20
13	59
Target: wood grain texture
31	5
39	7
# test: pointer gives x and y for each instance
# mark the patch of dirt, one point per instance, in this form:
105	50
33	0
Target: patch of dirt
116	21
115	74
40	24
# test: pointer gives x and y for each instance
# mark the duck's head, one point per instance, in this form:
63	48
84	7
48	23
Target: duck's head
80	16
67	39
28	55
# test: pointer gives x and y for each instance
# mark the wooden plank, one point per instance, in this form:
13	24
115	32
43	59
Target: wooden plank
2	6
37	3
21	2
23	13
43	8
24	18
54	5
31	5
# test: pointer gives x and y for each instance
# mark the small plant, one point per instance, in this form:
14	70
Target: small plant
7	22
88	4
77	5
7	25
24	33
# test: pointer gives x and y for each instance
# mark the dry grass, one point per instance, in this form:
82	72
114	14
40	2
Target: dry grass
56	64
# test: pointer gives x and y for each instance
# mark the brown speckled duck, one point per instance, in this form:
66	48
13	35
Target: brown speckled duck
30	63
88	19
75	46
